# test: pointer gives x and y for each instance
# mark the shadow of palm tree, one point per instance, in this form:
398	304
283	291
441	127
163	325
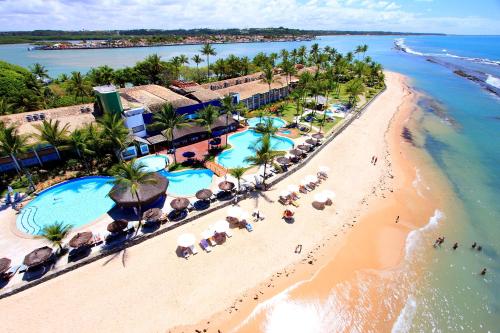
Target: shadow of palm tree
123	253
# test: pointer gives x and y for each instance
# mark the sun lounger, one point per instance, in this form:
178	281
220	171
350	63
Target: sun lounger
294	203
283	201
229	233
11	272
205	246
212	241
249	227
96	240
193	249
185	253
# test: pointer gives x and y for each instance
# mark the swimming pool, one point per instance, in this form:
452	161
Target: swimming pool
277	122
76	202
153	163
188	182
242	144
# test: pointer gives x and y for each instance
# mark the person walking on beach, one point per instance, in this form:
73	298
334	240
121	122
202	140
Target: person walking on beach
397	219
375	161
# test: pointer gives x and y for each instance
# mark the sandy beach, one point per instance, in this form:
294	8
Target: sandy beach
147	288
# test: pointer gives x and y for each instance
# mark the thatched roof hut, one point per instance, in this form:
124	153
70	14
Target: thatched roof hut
146	194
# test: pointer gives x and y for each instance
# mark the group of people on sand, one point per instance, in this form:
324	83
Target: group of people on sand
440	240
374	160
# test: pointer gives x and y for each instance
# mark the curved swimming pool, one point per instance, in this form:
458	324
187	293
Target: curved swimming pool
277	122
188	182
242	146
76	202
153	163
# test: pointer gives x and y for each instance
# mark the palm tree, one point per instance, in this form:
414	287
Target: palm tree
358	50
40	71
297	99
288	69
364	49
81	142
77	85
55	233
6	107
264	155
154	67
197	60
354	88
228	107
114	132
301	54
238	174
269	78
207	50
207	117
169	121
12	143
266	128
132	176
50	132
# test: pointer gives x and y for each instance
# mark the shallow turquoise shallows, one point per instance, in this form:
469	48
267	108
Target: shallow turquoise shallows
242	147
76	202
187	183
153	163
277	122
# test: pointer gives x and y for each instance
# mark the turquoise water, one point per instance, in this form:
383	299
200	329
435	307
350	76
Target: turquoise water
277	122
153	163
241	147
74	202
188	182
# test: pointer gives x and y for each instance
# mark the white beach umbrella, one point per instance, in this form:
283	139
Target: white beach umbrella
284	193
324	169
292	188
329	194
234	211
244	215
186	240
311	179
304	182
206	234
221	226
320	197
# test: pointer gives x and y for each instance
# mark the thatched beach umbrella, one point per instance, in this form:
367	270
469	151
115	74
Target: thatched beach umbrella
296	152
152	214
38	256
4	265
226	185
117	226
81	239
283	160
318	136
311	142
304	147
203	194
146	193
179	203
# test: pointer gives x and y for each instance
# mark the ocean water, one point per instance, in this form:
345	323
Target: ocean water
461	132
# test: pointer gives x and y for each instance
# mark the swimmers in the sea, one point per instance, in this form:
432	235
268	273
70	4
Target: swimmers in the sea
474	245
483	272
455	246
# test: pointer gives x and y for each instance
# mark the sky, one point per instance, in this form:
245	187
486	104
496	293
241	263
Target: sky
446	16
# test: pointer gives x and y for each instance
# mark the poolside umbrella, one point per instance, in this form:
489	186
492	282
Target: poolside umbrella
226	185
311	142
293	188
80	239
324	169
117	226
186	240
206	234
215	141
318	136
152	214
38	256
303	147
179	203
296	152
203	194
283	160
4	265
188	154
234	211
320	197
147	193
221	226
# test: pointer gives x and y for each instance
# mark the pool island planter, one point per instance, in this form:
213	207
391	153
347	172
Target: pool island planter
146	193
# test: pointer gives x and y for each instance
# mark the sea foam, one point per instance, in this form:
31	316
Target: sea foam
405	318
493	81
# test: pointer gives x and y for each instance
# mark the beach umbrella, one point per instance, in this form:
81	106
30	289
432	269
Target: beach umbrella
215	141
234	211
152	214
283	160
81	239
244	215
311	179
324	169
186	240
284	193
179	203
318	205
146	194
38	256
320	197
221	226
188	154
304	182
203	194
318	136
293	188
303	147
206	234
226	185
329	194
117	226
4	265
296	152
311	142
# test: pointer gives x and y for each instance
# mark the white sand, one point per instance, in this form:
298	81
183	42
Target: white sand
147	288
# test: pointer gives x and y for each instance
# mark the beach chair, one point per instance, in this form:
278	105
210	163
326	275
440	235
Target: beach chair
193	250
205	246
229	233
185	253
17	197
96	240
283	201
41	116
249	227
